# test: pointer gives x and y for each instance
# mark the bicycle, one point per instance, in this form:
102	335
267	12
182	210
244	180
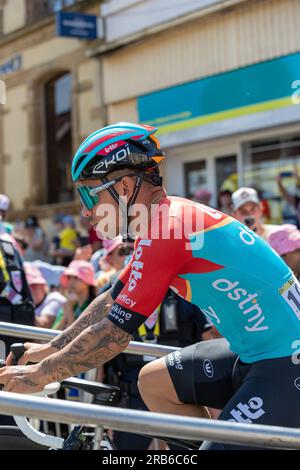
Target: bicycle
24	436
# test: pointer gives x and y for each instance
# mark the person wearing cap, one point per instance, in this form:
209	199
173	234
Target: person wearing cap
78	282
247	209
37	243
286	242
5	227
47	304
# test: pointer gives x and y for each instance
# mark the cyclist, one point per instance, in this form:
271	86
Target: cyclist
215	262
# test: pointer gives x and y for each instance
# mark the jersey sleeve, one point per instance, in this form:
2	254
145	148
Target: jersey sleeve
142	286
120	281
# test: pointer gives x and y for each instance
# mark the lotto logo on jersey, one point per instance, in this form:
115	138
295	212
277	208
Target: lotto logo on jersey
137	265
247	413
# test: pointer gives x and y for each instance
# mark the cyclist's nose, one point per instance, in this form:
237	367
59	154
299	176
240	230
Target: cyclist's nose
86	212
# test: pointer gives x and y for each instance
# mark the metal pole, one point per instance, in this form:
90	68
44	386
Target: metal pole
153	424
43	334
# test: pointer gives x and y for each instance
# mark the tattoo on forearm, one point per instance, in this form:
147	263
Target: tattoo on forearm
94	347
94	313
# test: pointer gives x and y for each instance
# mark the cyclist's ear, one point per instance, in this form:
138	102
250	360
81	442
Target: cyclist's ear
127	185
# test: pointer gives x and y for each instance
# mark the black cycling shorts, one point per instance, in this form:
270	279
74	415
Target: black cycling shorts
264	392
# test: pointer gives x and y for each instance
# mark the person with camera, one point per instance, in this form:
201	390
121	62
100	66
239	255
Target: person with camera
292	199
247	209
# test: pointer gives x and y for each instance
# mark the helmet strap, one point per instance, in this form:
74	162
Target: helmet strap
155	179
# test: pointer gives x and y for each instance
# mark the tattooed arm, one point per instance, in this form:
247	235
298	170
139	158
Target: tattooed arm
94	313
96	345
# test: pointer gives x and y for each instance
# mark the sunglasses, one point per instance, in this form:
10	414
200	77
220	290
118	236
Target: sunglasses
89	195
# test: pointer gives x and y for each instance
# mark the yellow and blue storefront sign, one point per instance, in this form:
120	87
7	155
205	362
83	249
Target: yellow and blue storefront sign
253	89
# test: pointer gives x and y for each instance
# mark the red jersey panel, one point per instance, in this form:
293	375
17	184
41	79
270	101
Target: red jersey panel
159	257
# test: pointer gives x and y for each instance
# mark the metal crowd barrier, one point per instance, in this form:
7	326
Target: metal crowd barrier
153	424
44	334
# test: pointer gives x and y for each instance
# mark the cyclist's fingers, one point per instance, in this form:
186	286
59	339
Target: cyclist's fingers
24	358
9	359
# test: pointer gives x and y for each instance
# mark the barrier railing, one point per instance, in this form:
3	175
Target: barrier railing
148	423
44	334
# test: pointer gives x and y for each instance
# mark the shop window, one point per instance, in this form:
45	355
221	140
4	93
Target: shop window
195	177
263	161
226	173
58	96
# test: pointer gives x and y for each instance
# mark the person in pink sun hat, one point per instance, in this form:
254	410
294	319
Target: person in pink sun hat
78	282
113	259
47	304
286	242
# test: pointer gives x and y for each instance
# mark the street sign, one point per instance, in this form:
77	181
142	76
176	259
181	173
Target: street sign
77	25
11	65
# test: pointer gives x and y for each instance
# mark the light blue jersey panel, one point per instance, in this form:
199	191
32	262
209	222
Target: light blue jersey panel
254	299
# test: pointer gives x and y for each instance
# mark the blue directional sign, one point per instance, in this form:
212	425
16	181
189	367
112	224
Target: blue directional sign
76	25
13	64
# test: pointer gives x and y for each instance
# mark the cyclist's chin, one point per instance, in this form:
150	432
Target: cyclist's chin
105	234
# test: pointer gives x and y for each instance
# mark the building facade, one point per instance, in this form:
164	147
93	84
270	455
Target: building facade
220	78
53	100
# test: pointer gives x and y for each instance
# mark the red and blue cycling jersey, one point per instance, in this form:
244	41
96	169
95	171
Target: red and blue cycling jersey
218	264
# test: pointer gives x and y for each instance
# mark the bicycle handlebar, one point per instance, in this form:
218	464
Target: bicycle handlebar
17	350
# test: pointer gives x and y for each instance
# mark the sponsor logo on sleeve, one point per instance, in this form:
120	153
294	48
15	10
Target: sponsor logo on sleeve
119	314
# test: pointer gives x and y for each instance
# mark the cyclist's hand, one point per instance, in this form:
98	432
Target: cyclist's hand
22	379
34	353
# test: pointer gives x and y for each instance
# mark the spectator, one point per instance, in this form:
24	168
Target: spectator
113	259
203	196
4	206
47	304
51	273
79	284
92	237
247	209
292	199
21	242
58	227
36	240
224	201
67	240
286	242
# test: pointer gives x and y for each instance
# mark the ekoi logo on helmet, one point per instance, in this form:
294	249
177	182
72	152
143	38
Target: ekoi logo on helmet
106	163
